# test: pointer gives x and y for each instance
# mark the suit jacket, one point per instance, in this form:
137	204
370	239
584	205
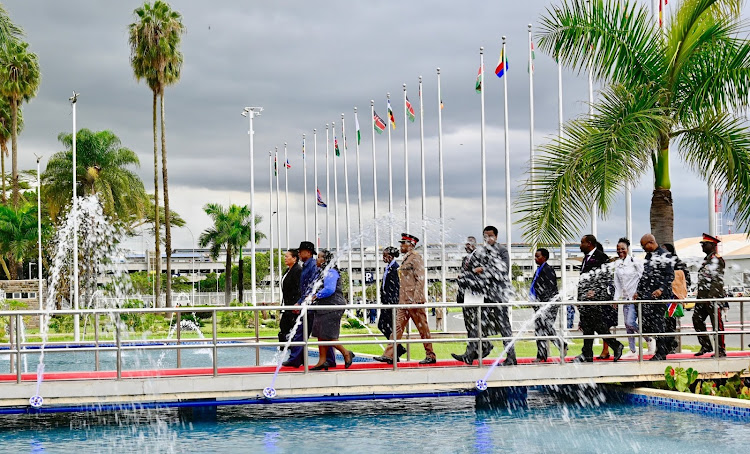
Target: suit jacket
307	278
411	275
494	279
658	274
389	290
545	286
290	285
595	276
711	278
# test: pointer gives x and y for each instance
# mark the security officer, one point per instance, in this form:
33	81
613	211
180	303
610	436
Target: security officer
710	286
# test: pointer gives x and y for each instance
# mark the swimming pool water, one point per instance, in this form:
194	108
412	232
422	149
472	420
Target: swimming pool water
442	425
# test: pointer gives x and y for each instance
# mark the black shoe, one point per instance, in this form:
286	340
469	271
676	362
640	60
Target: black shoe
539	360
323	366
428	360
618	353
383	359
348	363
461	358
657	357
721	354
290	364
703	351
509	361
583	359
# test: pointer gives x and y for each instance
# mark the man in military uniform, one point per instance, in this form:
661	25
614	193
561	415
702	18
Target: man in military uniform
411	291
710	286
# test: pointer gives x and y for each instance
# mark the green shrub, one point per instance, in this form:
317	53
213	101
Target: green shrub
680	379
352	323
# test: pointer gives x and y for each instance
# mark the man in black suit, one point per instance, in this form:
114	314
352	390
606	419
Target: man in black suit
389	294
595	284
544	289
655	284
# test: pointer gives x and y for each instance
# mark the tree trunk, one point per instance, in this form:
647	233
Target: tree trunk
14	148
662	209
240	280
5	268
167	226
3	152
228	277
157	227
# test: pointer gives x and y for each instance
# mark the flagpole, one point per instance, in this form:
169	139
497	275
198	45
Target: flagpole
270	221
315	181
278	216
328	193
531	128
359	212
563	252
406	166
424	191
442	192
483	158
390	172
304	184
346	212
508	221
375	204
286	196
335	191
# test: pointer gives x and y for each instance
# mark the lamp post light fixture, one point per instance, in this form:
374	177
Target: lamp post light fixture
250	113
39	227
76	317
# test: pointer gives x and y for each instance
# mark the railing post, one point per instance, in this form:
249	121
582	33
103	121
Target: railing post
304	339
717	314
18	348
742	325
478	310
214	339
408	336
11	333
96	341
640	332
179	337
394	338
257	335
563	324
119	347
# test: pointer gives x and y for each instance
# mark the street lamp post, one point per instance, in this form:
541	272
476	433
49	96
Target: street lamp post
251	112
39	227
76	317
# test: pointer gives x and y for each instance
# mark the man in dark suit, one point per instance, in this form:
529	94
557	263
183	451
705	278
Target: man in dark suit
595	284
389	294
307	280
544	289
655	284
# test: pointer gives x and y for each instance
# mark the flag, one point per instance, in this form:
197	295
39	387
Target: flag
409	110
378	123
502	65
320	200
661	14
478	87
303	148
275	173
530	68
336	146
356	125
390	115
441	104
288	166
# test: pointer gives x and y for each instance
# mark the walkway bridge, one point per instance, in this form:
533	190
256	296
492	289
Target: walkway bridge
218	385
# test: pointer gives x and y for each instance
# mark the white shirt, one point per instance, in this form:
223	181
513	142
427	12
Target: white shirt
628	272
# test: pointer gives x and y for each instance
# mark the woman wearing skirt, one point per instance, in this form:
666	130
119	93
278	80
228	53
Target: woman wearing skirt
327	323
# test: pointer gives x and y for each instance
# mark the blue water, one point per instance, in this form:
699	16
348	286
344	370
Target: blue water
445	425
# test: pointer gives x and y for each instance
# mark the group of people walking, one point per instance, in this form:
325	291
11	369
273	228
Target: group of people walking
660	279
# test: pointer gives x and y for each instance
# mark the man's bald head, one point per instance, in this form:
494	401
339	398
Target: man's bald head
648	243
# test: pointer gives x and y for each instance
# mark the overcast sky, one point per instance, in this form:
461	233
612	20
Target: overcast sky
306	63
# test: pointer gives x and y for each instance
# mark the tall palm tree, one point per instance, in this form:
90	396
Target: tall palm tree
19	81
239	218
155	56
231	231
6	125
684	83
8	30
18	237
103	167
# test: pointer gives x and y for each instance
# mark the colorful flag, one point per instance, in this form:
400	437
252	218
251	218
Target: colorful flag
530	67
275	172
478	87
303	148
502	65
441	104
378	123
320	200
409	110
288	166
390	115
356	125
336	146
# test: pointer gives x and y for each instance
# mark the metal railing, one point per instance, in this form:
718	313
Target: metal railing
15	345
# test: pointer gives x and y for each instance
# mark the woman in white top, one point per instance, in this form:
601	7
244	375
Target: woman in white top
628	272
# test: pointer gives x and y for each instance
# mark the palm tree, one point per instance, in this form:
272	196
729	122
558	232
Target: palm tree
683	83
155	56
18	237
231	230
241	232
6	125
102	168
20	78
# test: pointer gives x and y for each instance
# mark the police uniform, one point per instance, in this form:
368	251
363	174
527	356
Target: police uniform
710	286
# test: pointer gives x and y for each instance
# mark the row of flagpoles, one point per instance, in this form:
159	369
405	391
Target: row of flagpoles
379	125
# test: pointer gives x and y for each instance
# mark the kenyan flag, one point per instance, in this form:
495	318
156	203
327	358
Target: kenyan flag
336	146
378	123
409	110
